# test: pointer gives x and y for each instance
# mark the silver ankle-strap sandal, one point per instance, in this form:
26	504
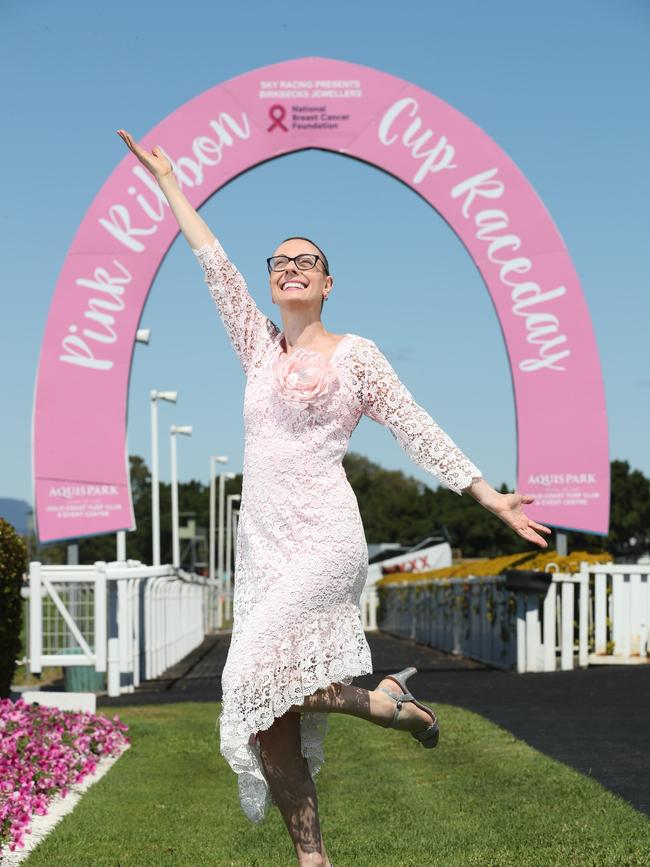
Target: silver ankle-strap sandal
429	737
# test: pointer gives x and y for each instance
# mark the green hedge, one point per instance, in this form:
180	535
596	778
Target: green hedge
13	563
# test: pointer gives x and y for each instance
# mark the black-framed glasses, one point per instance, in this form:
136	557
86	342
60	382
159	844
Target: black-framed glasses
304	262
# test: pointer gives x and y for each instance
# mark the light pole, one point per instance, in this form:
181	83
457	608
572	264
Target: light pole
229	519
220	563
155	396
235	525
214	460
142	335
186	430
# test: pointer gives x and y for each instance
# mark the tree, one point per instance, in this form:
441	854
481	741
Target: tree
393	506
396	507
629	525
13	563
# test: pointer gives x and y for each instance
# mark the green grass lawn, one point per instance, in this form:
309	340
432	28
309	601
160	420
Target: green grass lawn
481	798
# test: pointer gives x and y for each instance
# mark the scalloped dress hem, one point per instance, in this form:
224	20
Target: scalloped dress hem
243	753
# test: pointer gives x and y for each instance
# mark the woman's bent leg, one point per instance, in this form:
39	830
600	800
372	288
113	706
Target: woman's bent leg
344	698
292	787
372	705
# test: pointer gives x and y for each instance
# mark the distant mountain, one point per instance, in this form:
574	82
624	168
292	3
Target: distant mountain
16	512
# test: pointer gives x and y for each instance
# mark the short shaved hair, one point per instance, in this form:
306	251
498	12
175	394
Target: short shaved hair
309	241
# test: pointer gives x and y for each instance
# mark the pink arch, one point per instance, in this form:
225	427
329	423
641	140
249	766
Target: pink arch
79	423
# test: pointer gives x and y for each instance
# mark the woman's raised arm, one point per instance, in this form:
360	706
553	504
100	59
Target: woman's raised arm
245	324
196	230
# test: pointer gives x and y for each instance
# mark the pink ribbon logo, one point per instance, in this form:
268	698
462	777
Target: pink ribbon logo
277	113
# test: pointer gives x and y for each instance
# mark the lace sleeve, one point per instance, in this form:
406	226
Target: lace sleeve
387	401
245	323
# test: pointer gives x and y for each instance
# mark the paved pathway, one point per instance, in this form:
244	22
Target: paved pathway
597	720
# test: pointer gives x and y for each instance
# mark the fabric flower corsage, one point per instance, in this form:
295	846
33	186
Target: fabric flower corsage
304	378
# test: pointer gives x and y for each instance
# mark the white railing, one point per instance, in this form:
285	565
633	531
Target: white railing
368	605
135	621
74	618
125	619
466	616
604	608
620	595
552	626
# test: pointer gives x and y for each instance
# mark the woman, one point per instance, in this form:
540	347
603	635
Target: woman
302	559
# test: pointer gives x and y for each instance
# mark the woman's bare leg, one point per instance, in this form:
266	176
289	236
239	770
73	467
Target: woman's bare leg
369	704
292	788
286	769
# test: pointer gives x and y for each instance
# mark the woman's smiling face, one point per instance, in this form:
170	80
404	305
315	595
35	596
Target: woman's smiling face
292	285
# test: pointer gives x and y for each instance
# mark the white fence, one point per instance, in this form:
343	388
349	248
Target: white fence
598	615
621	598
133	621
552	629
125	619
368	605
469	617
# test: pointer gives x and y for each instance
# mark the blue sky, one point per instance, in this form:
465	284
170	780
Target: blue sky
561	87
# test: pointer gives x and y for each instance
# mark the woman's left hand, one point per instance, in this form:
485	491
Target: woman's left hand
508	508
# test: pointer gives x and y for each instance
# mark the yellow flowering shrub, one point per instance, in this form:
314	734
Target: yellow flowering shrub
570	563
497	565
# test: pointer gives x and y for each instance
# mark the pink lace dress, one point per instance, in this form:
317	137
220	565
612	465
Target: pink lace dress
301	555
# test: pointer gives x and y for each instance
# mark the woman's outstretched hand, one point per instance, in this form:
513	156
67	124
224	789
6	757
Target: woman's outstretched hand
156	162
508	508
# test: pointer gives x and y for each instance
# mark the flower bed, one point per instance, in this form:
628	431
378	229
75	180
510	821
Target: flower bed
43	750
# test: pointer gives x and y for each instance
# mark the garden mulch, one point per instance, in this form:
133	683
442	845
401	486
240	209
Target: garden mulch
596	720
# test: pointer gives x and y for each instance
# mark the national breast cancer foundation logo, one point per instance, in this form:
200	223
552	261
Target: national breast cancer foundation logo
277	113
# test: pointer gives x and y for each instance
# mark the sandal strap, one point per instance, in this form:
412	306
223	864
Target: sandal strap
399	698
